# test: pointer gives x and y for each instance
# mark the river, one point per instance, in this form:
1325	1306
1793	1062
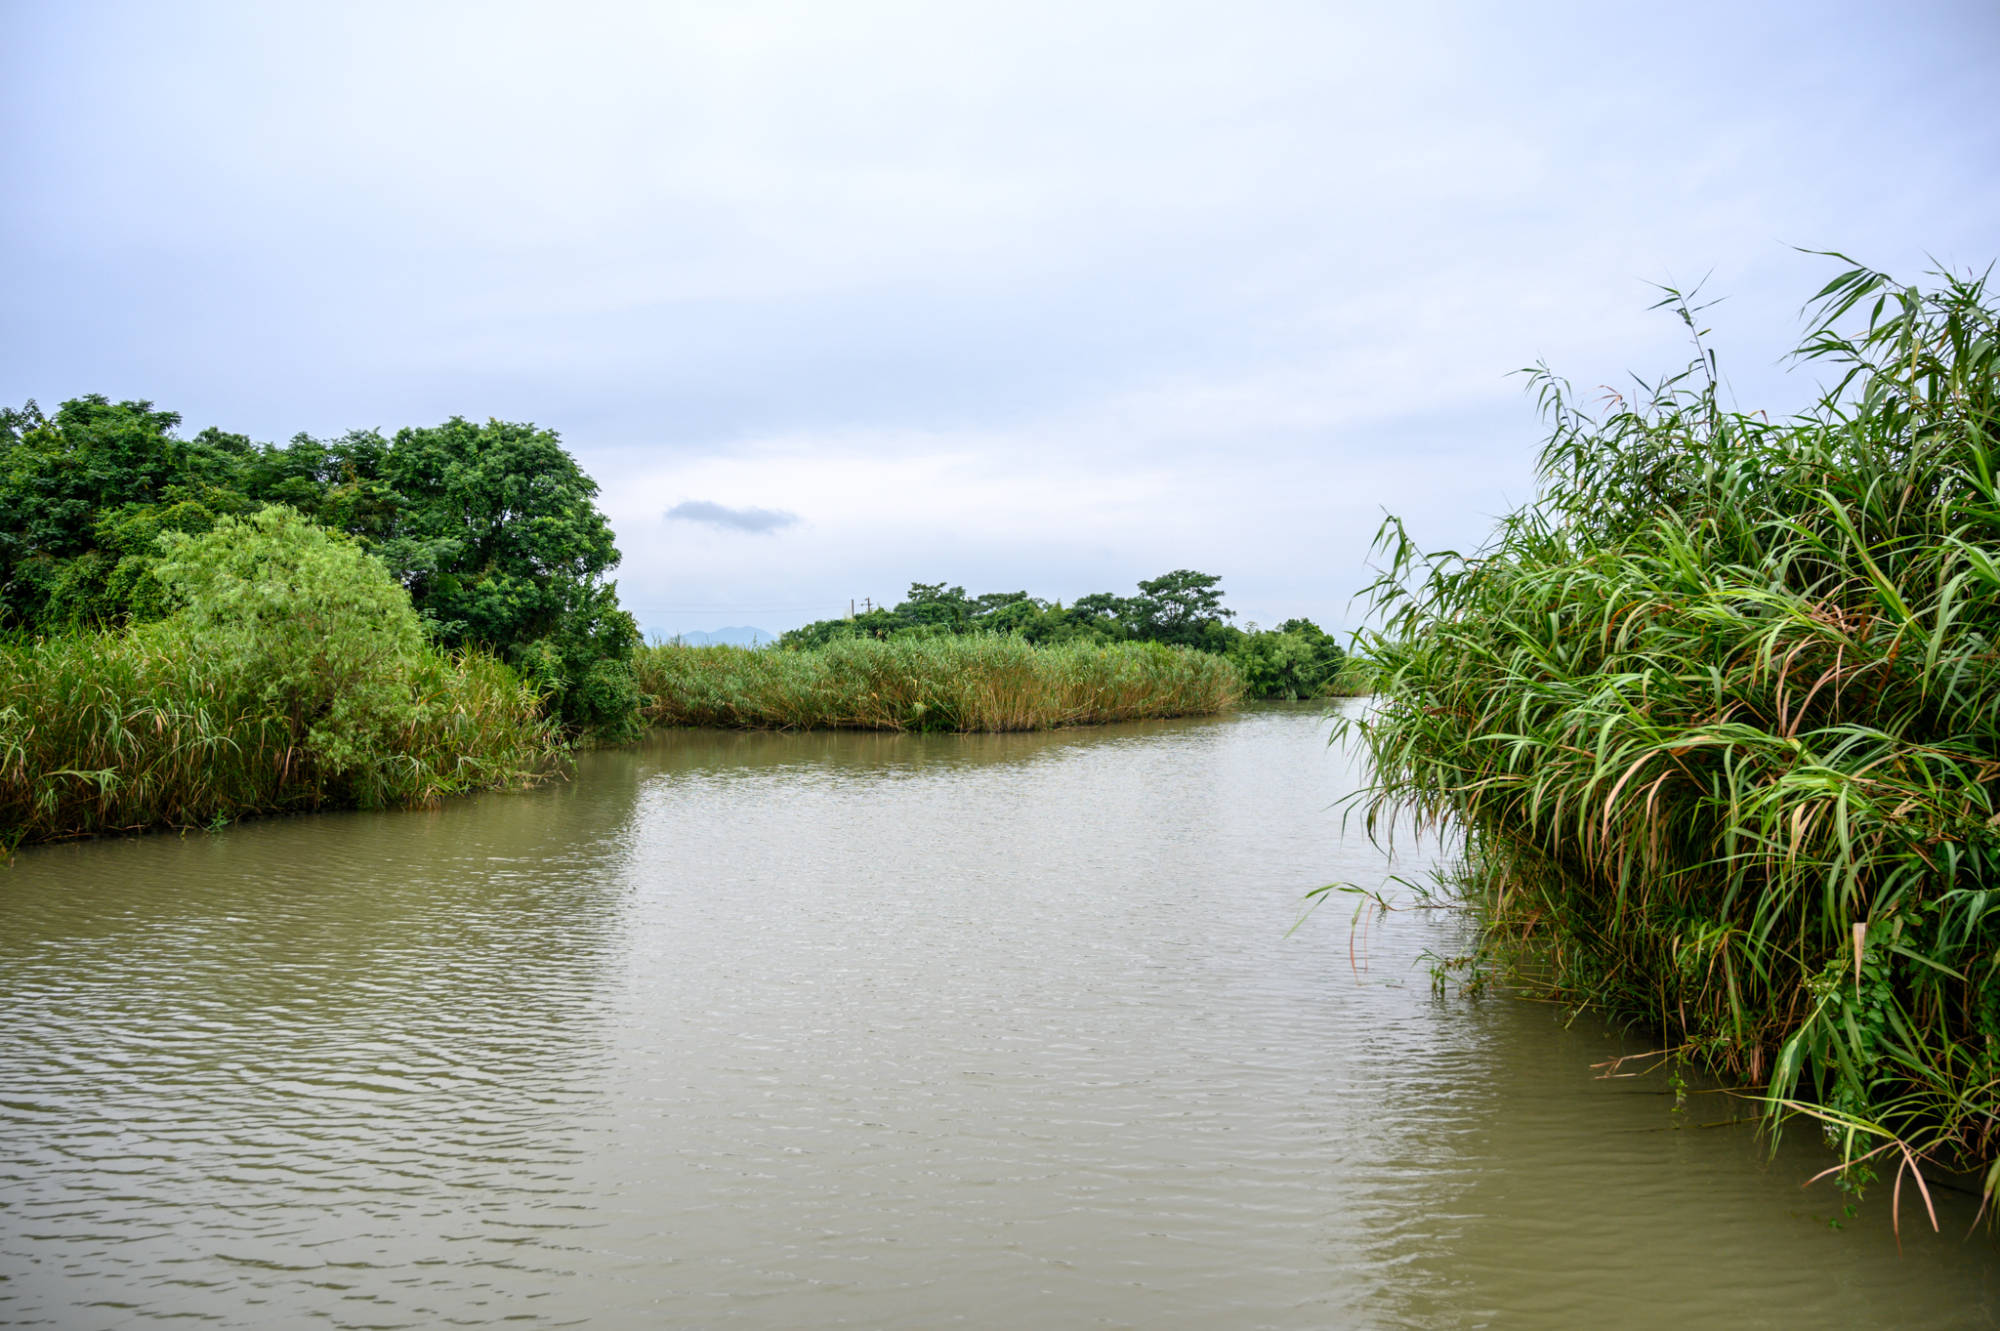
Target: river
776	1031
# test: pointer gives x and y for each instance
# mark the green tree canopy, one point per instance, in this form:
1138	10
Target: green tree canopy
86	490
932	604
493	530
1179	607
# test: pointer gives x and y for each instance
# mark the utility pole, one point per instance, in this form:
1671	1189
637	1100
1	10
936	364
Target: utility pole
867	605
850	607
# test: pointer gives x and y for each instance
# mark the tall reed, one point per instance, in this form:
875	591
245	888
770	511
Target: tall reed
1354	679
105	732
1719	716
975	683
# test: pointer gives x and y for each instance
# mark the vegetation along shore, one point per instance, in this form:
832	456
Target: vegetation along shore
1182	609
293	675
194	630
1718	717
989	682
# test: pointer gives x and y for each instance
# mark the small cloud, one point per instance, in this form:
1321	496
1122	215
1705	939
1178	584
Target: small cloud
735	519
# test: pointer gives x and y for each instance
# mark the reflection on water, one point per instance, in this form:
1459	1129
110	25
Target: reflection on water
787	1030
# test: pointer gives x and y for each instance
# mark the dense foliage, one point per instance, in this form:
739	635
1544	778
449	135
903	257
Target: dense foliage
492	529
85	495
1178	609
201	628
985	682
293	674
1719	716
304	622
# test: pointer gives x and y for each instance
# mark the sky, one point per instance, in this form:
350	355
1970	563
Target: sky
834	298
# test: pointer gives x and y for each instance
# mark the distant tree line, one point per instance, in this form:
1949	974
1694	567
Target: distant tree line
199	629
493	532
492	529
1183	608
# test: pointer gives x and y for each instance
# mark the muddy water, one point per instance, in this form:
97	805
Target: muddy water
848	1030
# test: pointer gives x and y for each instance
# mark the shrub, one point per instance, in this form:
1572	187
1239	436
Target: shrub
305	622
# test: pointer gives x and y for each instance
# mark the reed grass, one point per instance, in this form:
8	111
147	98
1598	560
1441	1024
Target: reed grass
1719	718
1354	679
973	683
104	732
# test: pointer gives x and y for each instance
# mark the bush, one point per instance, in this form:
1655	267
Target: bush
305	622
495	531
291	674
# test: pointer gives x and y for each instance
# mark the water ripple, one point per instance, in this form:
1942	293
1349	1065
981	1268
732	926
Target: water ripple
761	1030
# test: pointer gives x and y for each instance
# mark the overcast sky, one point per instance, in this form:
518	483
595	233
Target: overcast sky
836	297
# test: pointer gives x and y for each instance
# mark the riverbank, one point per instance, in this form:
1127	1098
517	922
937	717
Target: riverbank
212	628
975	683
1719	716
179	725
107	732
294	673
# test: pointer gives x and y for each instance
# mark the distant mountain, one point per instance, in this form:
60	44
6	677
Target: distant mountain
735	635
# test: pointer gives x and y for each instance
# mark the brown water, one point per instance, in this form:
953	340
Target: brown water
847	1030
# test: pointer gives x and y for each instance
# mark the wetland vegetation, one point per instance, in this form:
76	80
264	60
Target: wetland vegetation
292	674
989	682
1718	717
193	630
1183	609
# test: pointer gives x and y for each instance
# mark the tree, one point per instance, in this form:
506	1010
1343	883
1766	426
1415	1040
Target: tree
1182	608
876	623
1178	607
1295	660
84	492
492	529
1110	616
1009	612
495	532
932	604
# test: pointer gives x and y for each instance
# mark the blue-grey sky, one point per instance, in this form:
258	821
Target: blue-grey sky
1016	295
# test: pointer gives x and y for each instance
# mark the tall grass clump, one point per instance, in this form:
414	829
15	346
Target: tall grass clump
1354	679
976	683
1718	716
294	676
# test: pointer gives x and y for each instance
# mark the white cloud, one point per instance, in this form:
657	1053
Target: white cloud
760	521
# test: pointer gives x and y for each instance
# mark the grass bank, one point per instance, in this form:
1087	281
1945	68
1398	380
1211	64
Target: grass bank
1719	716
973	683
104	732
